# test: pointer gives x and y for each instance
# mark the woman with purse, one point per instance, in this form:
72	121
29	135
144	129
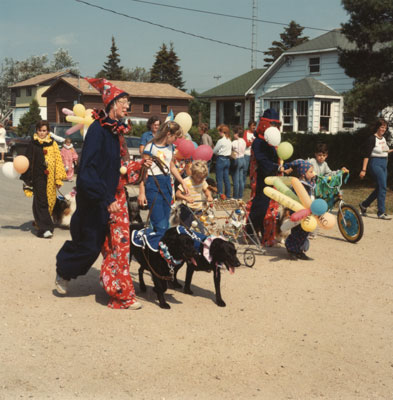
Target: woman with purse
238	163
45	174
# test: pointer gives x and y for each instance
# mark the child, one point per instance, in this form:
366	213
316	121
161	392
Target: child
198	190
297	242
70	157
319	163
157	191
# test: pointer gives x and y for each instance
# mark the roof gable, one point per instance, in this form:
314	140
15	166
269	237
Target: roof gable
134	89
307	87
235	87
330	40
43	78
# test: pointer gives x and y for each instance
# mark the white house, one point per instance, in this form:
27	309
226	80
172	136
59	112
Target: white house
306	86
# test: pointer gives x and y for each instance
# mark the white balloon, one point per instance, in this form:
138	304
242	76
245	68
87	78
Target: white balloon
9	171
272	136
184	120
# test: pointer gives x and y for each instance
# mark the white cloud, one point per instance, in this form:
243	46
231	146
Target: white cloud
63	40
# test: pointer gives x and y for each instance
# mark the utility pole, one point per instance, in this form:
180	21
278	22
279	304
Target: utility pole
217	77
254	34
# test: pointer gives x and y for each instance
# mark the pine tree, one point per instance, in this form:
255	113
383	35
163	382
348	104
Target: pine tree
370	27
111	69
165	68
291	37
30	118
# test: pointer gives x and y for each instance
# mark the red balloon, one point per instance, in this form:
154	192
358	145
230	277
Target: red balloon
298	215
178	140
186	148
203	152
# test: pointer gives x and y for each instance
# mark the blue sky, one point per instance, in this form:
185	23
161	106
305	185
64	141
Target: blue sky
36	27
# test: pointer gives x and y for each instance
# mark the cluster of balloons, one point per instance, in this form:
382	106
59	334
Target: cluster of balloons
185	149
12	170
308	213
80	116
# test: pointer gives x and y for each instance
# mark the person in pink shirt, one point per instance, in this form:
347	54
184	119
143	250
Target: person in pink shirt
70	158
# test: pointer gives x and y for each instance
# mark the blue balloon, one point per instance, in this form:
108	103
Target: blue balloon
319	207
195	145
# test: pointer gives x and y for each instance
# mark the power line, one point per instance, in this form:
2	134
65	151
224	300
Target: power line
166	27
223	15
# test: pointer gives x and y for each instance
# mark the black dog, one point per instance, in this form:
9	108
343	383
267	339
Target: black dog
221	252
180	247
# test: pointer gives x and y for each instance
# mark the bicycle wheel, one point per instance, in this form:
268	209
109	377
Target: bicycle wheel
249	258
350	223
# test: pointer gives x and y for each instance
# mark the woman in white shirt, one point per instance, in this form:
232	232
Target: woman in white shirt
222	150
238	164
3	143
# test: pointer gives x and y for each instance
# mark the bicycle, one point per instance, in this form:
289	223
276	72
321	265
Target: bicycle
350	222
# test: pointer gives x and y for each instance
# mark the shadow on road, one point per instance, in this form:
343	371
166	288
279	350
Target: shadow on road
25	227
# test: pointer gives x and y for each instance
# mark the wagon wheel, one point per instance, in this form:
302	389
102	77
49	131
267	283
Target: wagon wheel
249	258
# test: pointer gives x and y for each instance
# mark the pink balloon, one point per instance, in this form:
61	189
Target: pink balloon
74	129
67	111
177	141
186	148
203	152
298	215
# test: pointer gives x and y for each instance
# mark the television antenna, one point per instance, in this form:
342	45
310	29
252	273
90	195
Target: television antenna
254	34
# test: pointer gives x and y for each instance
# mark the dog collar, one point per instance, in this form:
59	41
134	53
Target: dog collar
167	256
206	249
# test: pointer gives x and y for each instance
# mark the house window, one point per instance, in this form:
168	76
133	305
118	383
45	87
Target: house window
287	113
302	111
275	105
164	109
28	91
348	121
146	108
324	123
17	92
314	65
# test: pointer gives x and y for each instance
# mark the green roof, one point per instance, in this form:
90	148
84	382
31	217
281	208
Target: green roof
235	87
329	40
307	87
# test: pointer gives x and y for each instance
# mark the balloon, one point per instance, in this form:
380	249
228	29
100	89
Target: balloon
319	207
186	148
272	136
285	150
282	199
79	110
287	225
75	119
184	120
66	111
74	129
309	223
326	221
301	192
283	188
21	164
178	140
285	179
178	155
9	171
203	152
301	214
88	116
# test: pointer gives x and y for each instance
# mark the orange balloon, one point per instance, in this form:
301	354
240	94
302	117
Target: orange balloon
21	164
326	221
301	192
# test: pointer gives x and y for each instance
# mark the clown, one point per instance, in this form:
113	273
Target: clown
264	162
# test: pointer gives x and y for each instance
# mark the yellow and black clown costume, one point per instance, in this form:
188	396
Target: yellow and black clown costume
46	171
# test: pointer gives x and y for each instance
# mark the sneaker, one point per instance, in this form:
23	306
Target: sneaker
47	234
384	216
292	256
303	256
135	305
61	285
363	209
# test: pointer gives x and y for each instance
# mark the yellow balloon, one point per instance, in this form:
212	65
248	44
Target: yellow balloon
285	179
79	110
326	221
309	223
282	199
184	120
301	192
75	119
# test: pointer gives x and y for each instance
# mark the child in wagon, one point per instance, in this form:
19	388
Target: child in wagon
70	158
